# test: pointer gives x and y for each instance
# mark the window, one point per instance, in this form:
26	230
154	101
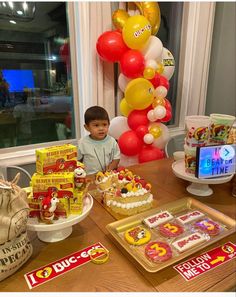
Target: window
93	81
36	98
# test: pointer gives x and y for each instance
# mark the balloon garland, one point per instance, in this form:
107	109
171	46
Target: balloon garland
146	68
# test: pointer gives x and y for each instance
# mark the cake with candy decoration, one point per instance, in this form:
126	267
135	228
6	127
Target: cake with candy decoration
125	193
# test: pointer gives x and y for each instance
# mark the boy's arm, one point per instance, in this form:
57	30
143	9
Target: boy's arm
113	165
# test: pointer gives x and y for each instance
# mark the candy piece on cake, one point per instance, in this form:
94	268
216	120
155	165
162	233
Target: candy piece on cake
104	180
189	217
129	200
171	229
157	219
158	251
210	227
189	241
137	235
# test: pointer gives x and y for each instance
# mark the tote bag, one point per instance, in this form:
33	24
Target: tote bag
15	247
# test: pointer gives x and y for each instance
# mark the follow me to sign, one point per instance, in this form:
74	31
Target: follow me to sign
207	261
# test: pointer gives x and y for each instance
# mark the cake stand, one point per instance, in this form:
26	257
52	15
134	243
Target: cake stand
61	228
198	186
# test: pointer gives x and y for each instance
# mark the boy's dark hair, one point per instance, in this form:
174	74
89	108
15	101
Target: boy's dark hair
95	113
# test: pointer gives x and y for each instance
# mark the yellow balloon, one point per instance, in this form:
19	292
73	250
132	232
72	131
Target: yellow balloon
151	11
160	68
119	17
149	73
139	93
125	108
136	31
158	101
155	130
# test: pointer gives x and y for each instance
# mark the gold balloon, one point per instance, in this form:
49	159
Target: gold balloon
151	11
119	17
160	68
125	108
148	73
158	101
155	130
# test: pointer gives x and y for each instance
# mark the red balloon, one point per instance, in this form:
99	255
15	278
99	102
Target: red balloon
150	153
155	80
110	46
137	118
132	64
129	143
167	117
141	131
168	105
163	81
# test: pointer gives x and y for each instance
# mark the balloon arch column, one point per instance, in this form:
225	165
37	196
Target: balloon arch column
146	68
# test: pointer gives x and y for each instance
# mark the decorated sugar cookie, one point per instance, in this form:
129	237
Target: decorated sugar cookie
171	229
208	226
158	251
137	235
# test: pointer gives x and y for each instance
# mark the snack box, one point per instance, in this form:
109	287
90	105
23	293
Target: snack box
76	203
165	235
60	158
58	184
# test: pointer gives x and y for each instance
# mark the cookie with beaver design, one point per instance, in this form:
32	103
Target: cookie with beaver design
137	235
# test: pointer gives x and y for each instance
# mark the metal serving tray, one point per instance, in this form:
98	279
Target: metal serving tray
176	208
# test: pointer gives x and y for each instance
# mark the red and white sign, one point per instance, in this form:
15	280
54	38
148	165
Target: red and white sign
207	261
50	271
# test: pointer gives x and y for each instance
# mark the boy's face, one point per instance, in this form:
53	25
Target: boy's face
98	129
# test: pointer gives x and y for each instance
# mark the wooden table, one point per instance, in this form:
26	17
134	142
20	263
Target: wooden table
121	273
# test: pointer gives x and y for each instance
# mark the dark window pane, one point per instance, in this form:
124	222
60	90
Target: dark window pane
36	100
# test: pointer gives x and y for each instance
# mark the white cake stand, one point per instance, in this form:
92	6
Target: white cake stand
198	186
62	228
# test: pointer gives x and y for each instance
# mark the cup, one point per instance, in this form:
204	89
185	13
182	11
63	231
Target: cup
197	130
190	159
220	126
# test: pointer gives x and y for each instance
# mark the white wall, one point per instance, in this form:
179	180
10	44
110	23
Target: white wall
221	93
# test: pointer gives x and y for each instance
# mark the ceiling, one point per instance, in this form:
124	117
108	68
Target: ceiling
46	16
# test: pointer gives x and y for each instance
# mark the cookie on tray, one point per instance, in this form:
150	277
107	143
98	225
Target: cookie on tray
137	235
157	251
208	226
171	229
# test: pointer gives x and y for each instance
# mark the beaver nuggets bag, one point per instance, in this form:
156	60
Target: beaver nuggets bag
15	247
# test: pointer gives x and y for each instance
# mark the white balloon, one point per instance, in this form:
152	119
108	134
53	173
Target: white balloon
160	112
153	49
151	116
160	91
151	64
161	141
168	62
118	125
148	138
123	82
128	160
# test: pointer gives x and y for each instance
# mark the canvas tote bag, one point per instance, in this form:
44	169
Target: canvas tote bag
15	247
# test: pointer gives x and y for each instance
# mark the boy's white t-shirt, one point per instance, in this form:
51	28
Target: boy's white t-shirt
97	154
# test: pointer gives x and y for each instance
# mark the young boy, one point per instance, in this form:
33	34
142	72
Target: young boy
98	151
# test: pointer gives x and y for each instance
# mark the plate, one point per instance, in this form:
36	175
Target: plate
176	208
34	225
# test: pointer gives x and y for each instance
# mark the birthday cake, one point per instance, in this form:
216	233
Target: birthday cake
123	192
